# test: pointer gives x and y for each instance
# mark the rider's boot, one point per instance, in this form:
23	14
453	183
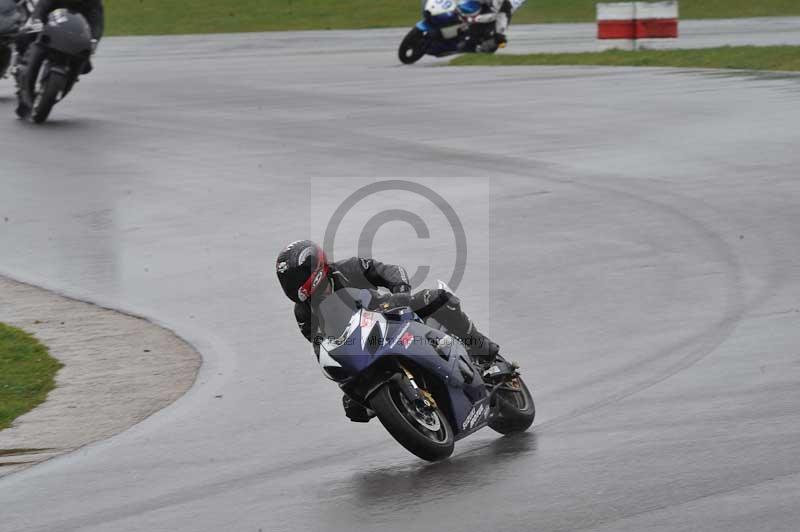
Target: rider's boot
480	347
456	321
23	110
356	412
19	71
501	25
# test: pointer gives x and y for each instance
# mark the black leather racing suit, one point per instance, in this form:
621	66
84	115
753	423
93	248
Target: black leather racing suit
371	274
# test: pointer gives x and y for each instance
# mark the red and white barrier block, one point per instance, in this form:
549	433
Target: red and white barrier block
630	25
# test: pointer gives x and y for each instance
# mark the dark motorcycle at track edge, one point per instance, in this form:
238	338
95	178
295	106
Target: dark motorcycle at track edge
419	381
11	20
60	54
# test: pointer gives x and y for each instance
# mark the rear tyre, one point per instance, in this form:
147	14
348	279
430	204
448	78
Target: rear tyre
515	408
44	101
5	59
426	434
412	48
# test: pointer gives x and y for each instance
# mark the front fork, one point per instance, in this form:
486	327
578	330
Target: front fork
417	396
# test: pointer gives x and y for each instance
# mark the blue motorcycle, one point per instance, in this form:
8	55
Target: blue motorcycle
418	380
451	27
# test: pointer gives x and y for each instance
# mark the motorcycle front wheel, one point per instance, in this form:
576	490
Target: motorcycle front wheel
47	96
425	433
412	48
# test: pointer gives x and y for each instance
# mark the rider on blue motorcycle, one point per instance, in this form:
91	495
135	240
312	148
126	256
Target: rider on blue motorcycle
307	278
497	11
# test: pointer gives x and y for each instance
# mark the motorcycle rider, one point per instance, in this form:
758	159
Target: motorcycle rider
307	278
497	11
92	11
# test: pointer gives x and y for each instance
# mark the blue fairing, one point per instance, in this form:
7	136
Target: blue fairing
437	46
356	354
445	19
438	21
442	47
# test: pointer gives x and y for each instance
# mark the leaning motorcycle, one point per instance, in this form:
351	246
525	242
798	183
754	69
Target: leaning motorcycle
10	21
416	378
59	55
444	30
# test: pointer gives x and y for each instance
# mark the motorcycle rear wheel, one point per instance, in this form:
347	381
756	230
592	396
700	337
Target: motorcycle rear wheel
412	47
516	409
5	59
44	101
427	435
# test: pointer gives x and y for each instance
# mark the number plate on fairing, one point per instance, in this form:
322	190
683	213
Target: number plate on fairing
449	32
437	7
478	414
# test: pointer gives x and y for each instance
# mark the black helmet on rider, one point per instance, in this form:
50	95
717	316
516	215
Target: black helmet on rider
302	270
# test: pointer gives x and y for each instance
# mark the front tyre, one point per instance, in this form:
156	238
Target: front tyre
426	433
412	48
48	95
515	408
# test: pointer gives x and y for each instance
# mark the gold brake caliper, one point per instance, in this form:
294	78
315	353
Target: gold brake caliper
429	397
425	393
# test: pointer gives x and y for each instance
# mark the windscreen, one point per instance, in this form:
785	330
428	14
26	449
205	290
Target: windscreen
336	310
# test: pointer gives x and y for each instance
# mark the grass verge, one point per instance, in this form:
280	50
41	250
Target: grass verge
584	10
149	17
27	373
735	57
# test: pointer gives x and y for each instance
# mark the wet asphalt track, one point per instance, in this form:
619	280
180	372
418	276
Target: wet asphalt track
646	273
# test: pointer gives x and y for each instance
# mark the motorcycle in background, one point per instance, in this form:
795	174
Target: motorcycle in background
61	52
444	31
11	19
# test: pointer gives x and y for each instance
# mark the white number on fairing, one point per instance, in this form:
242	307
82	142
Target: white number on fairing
59	16
437	7
478	413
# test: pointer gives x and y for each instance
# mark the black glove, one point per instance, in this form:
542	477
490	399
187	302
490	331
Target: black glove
401	289
395	301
